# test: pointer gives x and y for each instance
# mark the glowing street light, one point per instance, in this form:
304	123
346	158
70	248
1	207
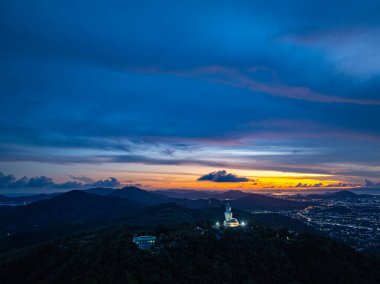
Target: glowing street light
243	223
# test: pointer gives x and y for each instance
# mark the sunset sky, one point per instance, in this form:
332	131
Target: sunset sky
189	94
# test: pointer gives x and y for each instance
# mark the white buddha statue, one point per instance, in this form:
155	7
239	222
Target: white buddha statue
229	221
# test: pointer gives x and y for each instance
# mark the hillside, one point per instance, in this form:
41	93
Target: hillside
78	207
262	202
278	221
239	199
185	193
26	199
199	194
70	207
5	199
172	213
198	203
375	252
230	194
164	214
139	195
100	190
74	211
185	255
336	195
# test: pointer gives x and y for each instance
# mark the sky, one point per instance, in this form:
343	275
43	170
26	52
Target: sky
189	94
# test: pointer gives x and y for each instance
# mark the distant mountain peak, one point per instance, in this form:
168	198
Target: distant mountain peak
140	195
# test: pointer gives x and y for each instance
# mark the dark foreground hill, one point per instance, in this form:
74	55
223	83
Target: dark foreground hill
375	252
184	255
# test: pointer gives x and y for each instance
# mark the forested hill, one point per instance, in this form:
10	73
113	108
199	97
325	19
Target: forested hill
185	255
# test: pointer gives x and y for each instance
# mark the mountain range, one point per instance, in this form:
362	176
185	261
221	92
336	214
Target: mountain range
138	207
77	210
198	194
94	206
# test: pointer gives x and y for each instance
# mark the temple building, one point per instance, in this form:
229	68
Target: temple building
144	242
229	221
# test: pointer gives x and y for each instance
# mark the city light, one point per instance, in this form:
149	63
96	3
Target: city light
243	223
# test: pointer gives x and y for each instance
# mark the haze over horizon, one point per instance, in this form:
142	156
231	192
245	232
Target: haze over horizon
192	95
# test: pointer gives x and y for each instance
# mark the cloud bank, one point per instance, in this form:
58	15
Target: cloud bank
10	182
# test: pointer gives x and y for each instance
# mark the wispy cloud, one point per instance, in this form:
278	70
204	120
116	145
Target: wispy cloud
354	51
242	78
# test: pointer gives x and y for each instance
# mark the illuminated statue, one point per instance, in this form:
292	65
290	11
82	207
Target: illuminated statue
229	221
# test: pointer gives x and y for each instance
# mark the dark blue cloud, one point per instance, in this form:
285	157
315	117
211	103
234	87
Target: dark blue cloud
222	176
6	180
370	183
10	182
40	182
305	185
110	182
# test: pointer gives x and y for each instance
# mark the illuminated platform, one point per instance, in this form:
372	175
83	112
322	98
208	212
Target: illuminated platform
144	242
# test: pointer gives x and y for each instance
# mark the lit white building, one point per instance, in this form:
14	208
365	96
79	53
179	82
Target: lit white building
229	221
144	242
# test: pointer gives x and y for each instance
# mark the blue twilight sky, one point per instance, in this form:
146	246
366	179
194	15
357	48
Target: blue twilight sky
161	93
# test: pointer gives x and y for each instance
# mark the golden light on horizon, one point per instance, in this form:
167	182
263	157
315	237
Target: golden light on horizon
258	179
